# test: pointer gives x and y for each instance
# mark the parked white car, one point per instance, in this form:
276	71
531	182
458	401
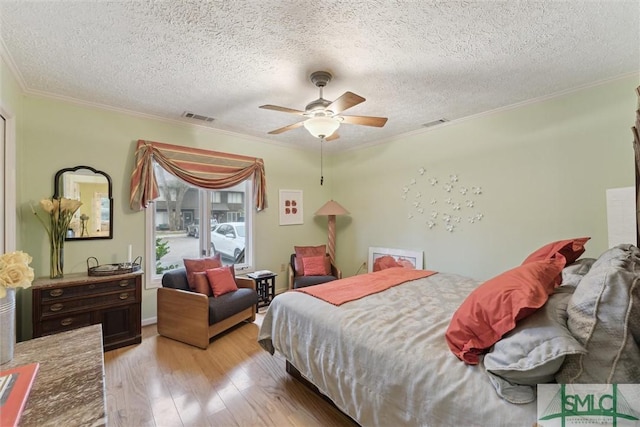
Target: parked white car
228	239
193	229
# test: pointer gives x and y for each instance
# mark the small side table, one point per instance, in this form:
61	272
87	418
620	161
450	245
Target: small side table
266	287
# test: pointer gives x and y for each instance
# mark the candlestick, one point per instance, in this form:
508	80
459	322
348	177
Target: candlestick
129	257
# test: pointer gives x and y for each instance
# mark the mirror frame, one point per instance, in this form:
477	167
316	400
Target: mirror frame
57	188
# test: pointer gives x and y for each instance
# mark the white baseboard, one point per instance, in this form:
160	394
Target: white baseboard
149	321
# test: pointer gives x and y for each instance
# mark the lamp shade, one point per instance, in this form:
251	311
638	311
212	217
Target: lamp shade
321	127
332	208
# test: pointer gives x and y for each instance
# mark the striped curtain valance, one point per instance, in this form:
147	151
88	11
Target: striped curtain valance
203	168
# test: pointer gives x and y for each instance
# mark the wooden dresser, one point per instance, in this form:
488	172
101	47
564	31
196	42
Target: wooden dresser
79	300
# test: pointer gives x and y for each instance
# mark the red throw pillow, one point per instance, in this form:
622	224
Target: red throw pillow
571	249
200	264
202	283
405	263
384	262
315	266
492	309
307	251
221	280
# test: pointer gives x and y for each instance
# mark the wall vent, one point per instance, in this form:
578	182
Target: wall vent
435	123
194	116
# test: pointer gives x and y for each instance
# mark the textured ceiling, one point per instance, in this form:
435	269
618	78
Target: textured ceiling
414	61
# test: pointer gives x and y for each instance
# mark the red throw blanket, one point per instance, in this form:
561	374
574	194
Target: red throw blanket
352	288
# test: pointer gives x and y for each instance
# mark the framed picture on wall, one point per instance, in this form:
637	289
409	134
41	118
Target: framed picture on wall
380	258
290	207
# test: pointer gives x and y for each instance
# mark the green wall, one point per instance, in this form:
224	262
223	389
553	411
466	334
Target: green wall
543	169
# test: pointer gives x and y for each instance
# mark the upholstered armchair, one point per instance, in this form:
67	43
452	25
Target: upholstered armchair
194	318
299	278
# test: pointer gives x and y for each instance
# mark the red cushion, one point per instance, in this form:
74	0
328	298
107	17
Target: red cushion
202	283
200	264
571	249
384	262
492	309
221	280
306	251
315	266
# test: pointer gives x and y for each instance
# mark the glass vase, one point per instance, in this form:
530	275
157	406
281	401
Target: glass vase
7	325
57	259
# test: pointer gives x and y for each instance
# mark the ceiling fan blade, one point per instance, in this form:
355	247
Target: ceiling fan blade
365	120
347	100
332	137
286	128
282	109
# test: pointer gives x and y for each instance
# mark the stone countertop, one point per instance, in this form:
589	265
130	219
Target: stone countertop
69	388
80	279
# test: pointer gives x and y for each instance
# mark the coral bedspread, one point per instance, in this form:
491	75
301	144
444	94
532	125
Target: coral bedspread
352	288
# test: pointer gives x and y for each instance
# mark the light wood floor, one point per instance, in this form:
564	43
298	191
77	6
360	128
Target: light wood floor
162	382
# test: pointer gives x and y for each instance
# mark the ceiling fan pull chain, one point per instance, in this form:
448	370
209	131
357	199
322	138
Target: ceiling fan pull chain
321	174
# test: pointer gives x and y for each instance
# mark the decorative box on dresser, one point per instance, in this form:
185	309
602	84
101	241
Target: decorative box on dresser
79	300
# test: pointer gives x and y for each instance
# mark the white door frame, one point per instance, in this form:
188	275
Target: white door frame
8	223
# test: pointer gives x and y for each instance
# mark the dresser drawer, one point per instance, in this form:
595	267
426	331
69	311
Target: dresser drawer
62	306
55	294
65	323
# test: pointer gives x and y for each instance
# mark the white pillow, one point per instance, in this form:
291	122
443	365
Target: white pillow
534	351
572	274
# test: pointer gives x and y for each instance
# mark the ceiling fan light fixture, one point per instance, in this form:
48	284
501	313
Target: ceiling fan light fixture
321	127
324	116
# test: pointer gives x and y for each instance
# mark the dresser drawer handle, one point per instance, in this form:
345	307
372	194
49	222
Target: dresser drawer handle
56	307
56	292
124	296
124	283
66	322
92	286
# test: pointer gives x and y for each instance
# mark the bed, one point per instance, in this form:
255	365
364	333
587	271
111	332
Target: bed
383	360
386	358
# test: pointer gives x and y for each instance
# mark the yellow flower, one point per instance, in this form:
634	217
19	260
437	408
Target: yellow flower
47	205
69	205
60	212
15	271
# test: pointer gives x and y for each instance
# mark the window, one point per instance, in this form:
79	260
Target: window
105	208
234	197
189	222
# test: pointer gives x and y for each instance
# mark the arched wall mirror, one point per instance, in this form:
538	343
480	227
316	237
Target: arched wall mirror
94	218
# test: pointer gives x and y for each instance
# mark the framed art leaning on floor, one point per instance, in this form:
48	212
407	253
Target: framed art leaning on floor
409	259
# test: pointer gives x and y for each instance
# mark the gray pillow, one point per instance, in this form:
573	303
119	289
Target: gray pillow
572	274
604	316
533	351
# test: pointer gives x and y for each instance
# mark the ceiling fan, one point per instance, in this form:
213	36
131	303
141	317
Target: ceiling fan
323	116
